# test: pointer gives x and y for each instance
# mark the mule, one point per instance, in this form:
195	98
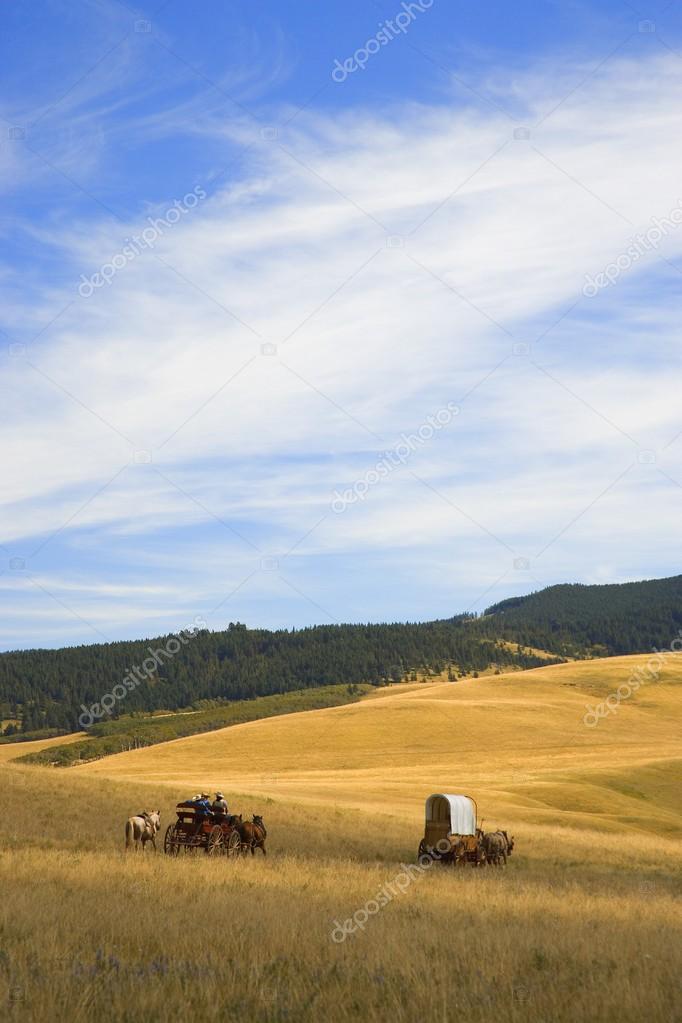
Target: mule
142	829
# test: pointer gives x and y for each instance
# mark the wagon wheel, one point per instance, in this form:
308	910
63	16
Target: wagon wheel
422	849
233	846
170	843
214	845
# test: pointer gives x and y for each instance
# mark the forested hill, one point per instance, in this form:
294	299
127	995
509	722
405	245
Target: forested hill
577	620
47	688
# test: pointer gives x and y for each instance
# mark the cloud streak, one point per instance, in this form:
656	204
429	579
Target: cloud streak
361	273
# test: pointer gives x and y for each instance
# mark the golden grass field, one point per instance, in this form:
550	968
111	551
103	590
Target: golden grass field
583	924
12	750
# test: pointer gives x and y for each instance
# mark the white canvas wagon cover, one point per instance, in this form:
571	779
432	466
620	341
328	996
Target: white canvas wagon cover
459	811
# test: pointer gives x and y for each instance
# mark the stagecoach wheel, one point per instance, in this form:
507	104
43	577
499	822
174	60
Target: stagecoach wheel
234	844
423	851
170	844
214	846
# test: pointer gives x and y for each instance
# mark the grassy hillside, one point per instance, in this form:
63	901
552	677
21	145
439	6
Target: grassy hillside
12	751
140	731
517	742
583	925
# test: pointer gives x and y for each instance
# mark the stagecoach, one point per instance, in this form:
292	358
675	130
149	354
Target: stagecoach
216	834
450	832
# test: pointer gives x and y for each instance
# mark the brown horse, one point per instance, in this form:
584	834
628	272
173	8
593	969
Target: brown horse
498	847
469	850
253	835
510	843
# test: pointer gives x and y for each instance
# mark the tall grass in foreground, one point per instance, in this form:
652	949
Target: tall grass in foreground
581	926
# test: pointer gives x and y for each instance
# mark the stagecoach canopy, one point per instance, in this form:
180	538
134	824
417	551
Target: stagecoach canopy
458	811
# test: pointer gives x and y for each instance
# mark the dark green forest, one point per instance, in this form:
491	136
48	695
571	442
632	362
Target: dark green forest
48	688
574	620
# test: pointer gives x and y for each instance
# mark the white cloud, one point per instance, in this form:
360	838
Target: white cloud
384	333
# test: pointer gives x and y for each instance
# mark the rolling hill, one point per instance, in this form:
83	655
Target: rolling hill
518	742
583	924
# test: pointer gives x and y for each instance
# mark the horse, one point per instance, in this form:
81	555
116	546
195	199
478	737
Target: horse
459	853
498	846
253	835
510	843
142	829
463	849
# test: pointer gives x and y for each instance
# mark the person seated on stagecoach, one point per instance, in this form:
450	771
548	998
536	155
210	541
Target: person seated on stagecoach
201	811
219	804
202	806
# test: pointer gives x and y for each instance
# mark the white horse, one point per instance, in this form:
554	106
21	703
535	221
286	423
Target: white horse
143	829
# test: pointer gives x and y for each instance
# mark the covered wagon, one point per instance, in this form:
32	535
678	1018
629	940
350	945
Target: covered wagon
451	834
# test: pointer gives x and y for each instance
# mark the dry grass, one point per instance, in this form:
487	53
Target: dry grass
515	742
12	750
583	924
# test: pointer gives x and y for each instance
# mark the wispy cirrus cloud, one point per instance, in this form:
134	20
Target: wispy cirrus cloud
358	274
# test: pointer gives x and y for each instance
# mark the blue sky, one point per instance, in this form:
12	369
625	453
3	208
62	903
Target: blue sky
286	347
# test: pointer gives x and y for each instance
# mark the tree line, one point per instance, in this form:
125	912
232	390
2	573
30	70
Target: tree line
47	689
575	620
